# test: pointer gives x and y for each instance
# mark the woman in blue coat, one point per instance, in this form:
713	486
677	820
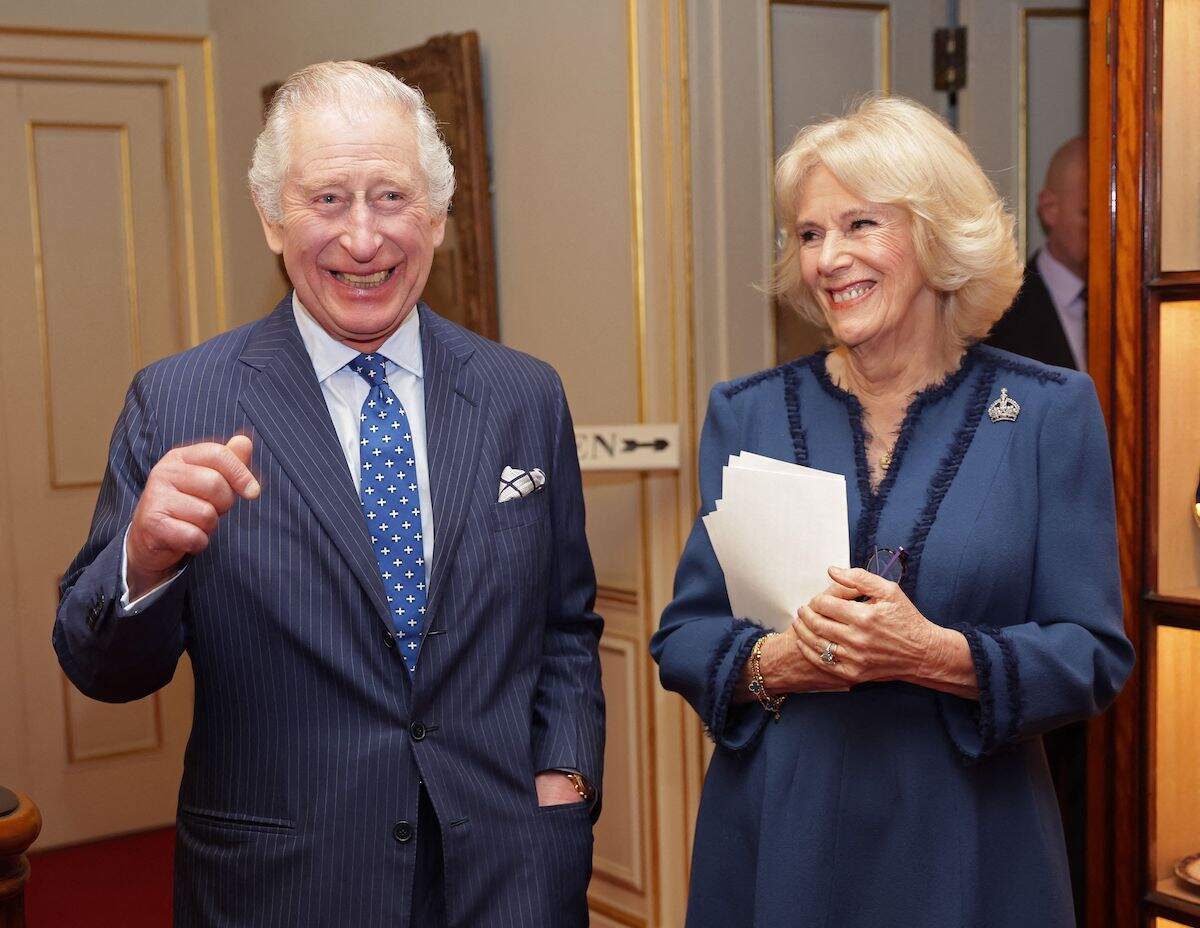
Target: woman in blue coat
880	762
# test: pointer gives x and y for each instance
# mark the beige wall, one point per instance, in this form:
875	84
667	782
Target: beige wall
178	16
556	102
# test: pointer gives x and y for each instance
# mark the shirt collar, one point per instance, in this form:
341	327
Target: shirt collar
328	355
1060	280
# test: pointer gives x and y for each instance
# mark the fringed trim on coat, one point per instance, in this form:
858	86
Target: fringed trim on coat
717	702
963	755
791	398
946	472
983	670
1042	375
873	501
735	387
867	519
1012	679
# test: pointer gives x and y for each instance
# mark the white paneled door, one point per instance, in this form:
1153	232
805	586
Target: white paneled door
109	254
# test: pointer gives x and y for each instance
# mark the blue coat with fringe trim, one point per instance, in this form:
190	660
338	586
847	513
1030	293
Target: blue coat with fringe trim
892	804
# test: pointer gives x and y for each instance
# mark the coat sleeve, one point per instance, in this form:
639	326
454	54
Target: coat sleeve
700	646
568	710
107	654
1067	658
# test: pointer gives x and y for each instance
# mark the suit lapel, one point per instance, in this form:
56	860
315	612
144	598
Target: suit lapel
288	409
1057	350
454	417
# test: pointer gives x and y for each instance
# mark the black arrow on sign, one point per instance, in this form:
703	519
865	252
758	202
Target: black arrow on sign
659	444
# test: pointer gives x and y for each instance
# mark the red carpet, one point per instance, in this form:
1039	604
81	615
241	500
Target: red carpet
116	883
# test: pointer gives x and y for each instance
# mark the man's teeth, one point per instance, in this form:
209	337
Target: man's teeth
853	293
362	280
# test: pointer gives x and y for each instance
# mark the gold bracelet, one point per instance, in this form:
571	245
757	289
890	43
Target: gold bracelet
758	686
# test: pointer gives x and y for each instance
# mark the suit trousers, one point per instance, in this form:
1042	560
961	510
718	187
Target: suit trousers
429	880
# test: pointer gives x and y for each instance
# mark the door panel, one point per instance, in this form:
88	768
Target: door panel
74	341
101	248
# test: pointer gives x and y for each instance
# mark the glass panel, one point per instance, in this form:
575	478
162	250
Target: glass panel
1177	764
1178	451
1180	136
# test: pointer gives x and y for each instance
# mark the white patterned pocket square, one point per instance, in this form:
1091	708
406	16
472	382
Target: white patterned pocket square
517	484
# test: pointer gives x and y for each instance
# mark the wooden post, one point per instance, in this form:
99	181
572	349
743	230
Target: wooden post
20	822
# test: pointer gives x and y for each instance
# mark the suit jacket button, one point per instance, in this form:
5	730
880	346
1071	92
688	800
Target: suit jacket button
417	730
403	832
389	639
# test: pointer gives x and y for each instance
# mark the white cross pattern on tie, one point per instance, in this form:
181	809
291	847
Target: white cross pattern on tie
375	443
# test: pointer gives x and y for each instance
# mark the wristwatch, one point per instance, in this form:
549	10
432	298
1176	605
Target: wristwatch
586	793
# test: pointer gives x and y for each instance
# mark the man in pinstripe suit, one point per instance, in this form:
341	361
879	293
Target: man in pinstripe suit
351	762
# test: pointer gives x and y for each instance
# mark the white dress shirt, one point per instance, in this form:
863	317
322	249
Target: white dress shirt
1070	302
345	392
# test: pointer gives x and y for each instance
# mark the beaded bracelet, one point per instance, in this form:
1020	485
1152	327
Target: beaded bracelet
758	686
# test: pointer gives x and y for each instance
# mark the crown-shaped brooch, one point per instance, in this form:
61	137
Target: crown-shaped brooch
1005	409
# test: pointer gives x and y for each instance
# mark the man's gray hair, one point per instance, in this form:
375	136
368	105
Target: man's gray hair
354	88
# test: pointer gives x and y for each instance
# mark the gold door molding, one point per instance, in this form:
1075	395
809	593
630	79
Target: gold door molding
182	66
662	757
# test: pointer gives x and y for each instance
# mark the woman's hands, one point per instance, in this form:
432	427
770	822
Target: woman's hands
884	638
785	669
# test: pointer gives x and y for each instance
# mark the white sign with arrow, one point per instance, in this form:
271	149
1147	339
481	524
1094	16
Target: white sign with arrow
628	447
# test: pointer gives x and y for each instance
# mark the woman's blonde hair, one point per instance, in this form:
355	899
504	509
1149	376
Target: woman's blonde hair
893	150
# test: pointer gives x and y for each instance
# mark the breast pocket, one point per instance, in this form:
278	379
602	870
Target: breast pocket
518	512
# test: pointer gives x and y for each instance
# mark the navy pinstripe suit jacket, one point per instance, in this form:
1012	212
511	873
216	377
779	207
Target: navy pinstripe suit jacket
305	752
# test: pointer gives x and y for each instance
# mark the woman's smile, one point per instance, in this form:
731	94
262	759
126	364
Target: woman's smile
851	294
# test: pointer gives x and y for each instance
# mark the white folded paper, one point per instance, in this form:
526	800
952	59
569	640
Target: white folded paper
777	529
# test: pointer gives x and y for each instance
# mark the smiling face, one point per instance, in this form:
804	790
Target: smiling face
858	260
356	233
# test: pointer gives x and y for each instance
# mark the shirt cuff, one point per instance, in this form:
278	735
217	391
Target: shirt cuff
124	606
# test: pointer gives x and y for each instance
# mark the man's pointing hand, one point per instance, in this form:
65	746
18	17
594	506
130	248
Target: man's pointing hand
186	494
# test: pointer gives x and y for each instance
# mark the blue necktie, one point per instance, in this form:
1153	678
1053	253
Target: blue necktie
388	490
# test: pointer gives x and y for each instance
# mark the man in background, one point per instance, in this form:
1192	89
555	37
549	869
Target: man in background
1048	320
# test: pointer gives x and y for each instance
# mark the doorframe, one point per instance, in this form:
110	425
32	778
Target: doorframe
1117	129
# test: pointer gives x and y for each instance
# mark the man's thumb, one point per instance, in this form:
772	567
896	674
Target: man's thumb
242	446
